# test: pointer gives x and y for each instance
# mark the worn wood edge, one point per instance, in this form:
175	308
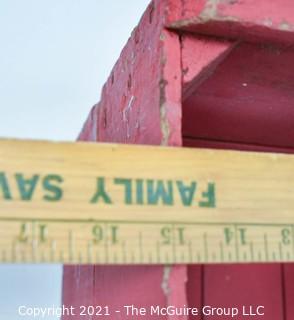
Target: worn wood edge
218	18
217	52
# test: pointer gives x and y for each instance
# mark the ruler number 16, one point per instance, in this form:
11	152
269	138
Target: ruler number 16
105	234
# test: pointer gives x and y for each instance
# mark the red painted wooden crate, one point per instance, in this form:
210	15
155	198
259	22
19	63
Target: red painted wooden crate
206	73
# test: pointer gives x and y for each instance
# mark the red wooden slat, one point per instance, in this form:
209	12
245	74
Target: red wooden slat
77	290
248	99
244	286
195	289
289	290
200	57
122	286
262	21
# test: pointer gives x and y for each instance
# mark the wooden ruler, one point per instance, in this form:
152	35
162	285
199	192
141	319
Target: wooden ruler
119	204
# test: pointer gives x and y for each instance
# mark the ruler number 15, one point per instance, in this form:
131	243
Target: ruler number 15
170	234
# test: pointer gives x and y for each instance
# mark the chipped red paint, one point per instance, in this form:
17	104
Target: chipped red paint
143	79
170	87
77	289
270	21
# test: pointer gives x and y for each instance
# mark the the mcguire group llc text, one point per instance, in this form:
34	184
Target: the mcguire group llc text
132	310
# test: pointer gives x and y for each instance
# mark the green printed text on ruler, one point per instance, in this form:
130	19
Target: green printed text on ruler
134	191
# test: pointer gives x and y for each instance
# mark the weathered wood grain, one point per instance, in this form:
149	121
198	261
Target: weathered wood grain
262	21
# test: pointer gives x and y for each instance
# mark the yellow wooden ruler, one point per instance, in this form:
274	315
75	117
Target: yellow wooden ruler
118	204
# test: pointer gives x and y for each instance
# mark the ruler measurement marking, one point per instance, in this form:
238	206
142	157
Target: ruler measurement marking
245	256
124	253
133	257
174	243
97	256
106	244
236	242
89	247
281	251
172	253
34	243
150	260
167	261
292	228
230	256
61	256
221	251
183	257
52	250
141	247
198	257
146	172
158	252
114	257
266	247
205	247
213	255
81	258
70	245
252	251
190	252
